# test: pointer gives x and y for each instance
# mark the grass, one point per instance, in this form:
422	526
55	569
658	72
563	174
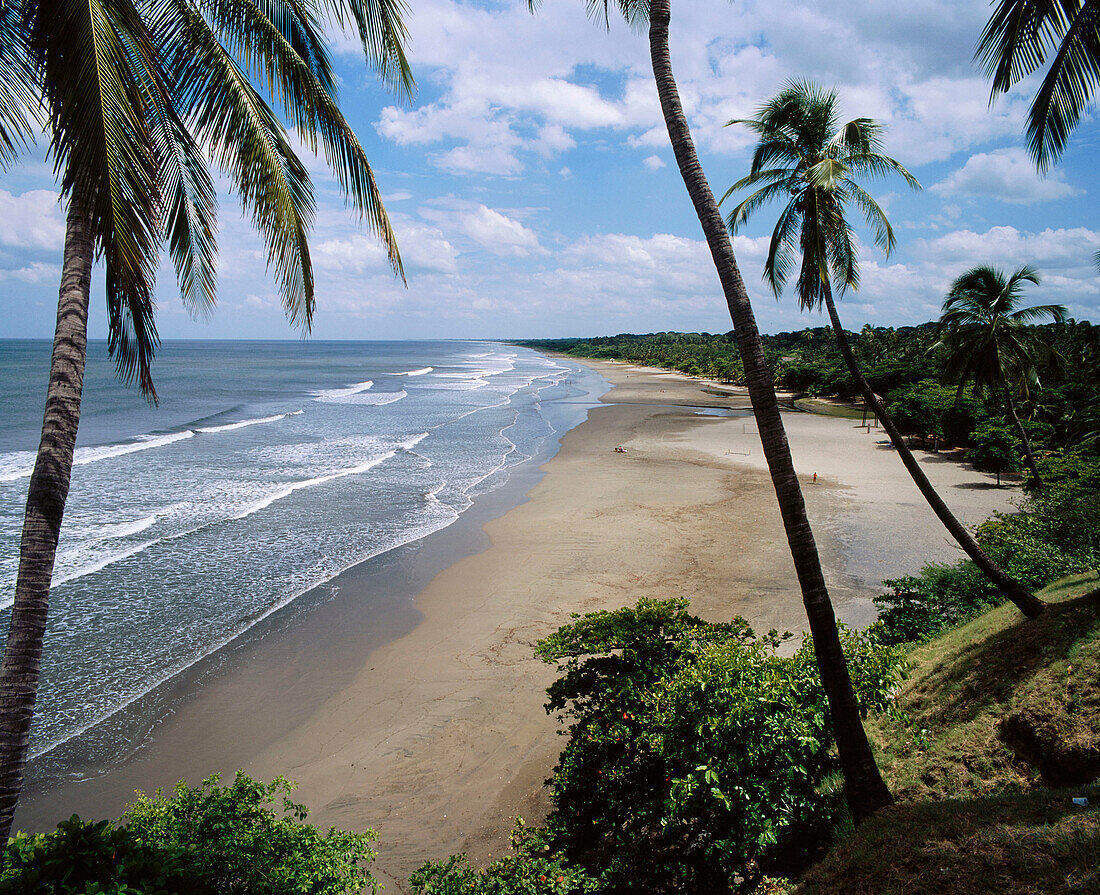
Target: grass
1001	702
995	732
1034	843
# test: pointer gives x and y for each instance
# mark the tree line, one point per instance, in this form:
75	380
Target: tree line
1061	410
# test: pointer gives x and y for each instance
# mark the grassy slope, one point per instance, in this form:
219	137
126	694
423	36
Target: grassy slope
995	732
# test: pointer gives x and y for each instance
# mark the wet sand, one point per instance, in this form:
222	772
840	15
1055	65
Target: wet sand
431	729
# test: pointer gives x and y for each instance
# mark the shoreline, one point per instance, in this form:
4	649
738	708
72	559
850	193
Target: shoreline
437	738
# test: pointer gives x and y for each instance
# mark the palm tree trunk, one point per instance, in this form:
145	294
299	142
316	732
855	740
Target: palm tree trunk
1031	465
1010	588
865	788
49	488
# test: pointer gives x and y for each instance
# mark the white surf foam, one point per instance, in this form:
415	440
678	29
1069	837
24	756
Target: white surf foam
229	427
419	372
125	529
335	394
20	464
373	400
289	489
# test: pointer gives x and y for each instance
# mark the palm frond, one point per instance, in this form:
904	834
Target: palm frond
841	244
788	175
860	136
1067	88
780	259
190	202
1018	37
875	164
249	143
814	237
383	34
102	151
874	216
20	107
826	174
1038	313
740	214
306	90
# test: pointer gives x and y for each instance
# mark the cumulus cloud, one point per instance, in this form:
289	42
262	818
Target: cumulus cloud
495	231
653	162
504	73
32	220
1007	175
422	249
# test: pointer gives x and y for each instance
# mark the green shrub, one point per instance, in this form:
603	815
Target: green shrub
249	838
1056	533
697	756
81	858
994	449
533	870
917	607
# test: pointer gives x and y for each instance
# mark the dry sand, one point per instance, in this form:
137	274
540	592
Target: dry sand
438	739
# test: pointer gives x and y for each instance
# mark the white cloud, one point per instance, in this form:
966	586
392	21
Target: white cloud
503	73
1007	175
32	220
497	232
36	273
422	249
653	162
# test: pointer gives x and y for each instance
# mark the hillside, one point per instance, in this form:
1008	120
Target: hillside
993	736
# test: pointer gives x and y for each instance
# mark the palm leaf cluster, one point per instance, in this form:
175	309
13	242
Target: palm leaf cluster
987	338
807	158
135	95
1017	41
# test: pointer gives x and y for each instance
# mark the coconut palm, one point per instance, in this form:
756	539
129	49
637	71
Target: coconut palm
807	158
1017	41
132	96
865	789
987	340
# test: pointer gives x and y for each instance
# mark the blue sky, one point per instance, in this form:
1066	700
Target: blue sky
534	193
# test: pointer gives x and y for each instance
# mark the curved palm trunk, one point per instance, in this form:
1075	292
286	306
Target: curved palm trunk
1028	603
1031	465
49	488
865	788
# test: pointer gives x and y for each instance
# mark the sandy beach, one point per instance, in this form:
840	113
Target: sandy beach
432	731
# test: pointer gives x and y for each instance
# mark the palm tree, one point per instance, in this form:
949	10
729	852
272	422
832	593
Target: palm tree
807	159
132	95
988	342
1016	42
866	792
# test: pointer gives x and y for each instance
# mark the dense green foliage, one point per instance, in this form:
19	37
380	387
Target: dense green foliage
247	838
81	858
533	869
994	449
697	756
902	365
1056	533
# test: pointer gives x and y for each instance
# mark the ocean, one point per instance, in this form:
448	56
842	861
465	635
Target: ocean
267	470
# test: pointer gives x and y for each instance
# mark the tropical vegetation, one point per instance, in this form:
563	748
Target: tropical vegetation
806	157
132	98
244	838
986	340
